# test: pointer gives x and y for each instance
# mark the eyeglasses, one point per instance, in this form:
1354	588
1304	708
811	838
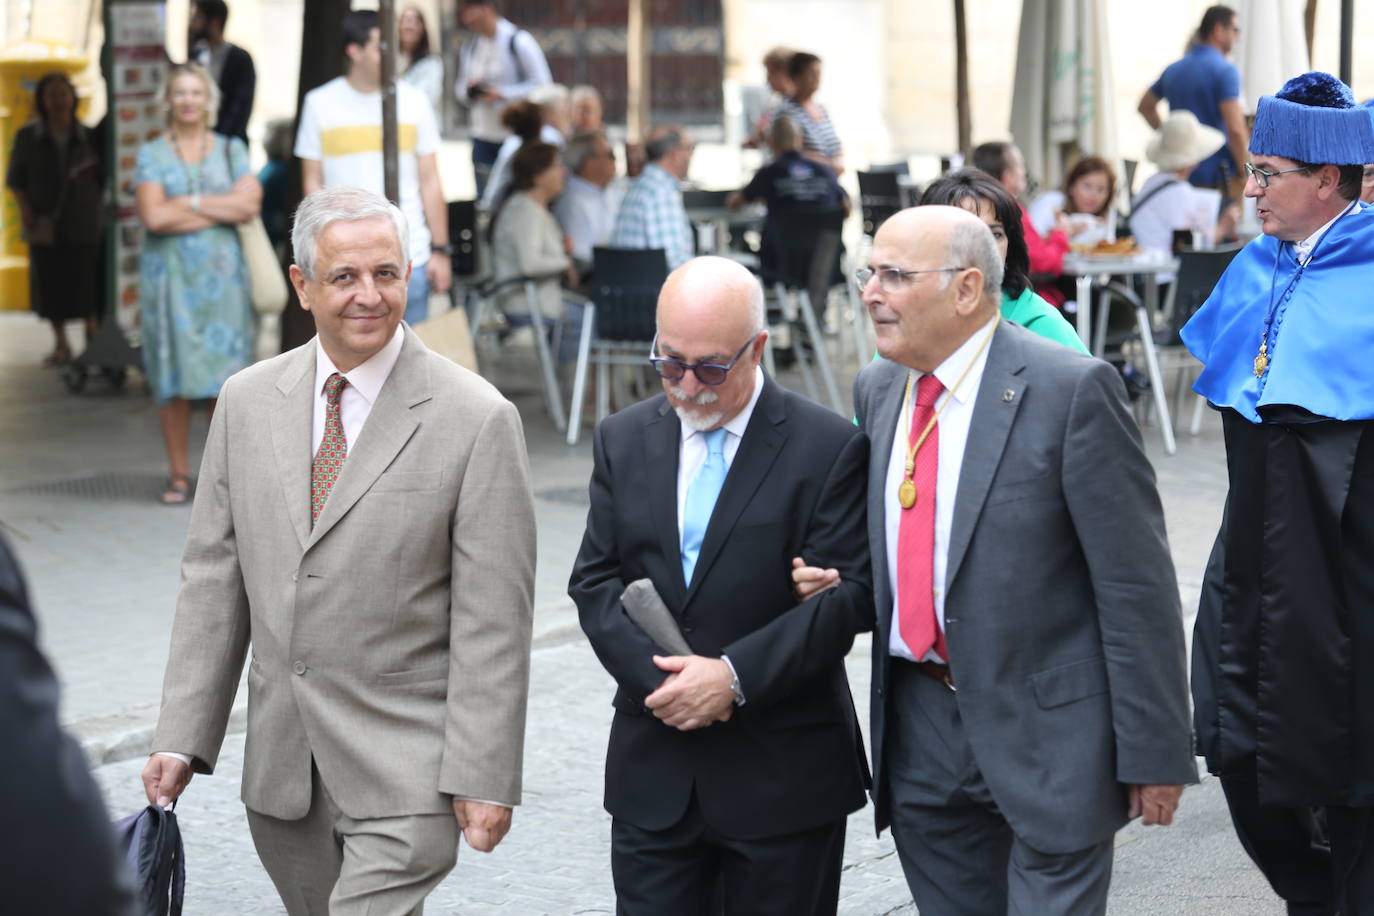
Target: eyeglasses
891	279
1262	177
707	373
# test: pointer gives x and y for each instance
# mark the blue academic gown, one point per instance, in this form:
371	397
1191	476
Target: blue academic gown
1283	651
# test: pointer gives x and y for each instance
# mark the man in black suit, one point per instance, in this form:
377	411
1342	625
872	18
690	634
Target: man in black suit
60	856
230	65
729	771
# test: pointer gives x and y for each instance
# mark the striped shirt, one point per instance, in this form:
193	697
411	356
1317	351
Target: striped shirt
818	136
652	216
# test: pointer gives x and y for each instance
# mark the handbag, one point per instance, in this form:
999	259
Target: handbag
266	285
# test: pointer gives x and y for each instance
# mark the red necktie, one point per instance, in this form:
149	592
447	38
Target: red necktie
916	534
333	449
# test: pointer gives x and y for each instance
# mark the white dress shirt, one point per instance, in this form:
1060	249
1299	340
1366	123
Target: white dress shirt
365	382
953	427
692	449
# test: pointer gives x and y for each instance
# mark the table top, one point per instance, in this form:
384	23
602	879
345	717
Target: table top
742	217
1146	262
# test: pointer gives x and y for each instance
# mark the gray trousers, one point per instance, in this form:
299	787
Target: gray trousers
329	864
960	856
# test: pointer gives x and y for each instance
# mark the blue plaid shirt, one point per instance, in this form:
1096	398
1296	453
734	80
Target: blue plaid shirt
652	216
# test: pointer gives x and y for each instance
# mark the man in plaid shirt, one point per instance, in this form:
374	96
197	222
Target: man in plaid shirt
652	215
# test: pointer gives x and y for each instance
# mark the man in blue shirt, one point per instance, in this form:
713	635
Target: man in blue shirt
1204	82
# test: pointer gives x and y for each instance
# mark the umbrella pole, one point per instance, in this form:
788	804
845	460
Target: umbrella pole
961	81
1347	38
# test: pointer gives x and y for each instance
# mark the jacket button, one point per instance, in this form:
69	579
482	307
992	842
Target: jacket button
294	574
687	628
298	667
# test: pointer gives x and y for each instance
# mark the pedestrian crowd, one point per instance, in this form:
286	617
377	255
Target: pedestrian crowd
362	537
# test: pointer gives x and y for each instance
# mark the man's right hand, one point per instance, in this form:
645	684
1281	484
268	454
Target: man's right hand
808	581
164	779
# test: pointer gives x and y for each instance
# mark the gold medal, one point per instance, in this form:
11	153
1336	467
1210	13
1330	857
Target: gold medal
1261	361
906	494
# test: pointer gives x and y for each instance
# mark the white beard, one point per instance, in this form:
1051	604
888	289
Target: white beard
694	419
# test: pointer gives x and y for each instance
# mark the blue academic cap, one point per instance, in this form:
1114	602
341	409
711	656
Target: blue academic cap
1314	118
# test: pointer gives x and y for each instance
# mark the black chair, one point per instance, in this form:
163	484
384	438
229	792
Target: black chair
618	322
807	250
880	196
704	200
894	168
462	233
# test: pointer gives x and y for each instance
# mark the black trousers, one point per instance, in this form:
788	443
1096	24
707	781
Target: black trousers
690	869
1319	870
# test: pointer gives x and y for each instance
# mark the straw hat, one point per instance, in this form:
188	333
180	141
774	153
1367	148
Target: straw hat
1182	141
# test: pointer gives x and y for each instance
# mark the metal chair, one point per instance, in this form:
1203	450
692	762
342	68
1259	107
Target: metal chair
618	322
541	325
880	196
807	247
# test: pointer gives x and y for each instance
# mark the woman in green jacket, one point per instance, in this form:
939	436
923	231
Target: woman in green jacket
980	193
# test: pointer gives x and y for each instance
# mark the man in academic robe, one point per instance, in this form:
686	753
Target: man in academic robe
1283	659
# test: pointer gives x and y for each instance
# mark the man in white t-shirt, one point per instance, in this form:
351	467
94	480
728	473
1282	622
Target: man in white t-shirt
340	143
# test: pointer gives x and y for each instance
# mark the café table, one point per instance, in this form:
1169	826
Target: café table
1092	270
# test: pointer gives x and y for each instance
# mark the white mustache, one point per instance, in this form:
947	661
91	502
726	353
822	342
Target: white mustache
706	396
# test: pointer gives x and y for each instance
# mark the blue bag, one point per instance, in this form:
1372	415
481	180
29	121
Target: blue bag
151	841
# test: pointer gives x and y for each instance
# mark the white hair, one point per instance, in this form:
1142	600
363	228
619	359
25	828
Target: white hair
340	203
970	244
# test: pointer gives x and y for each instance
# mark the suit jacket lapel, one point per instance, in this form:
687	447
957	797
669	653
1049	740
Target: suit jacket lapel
662	441
389	427
290	423
999	399
758	449
882	428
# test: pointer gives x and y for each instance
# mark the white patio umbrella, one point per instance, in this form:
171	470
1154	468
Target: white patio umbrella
1062	100
1272	47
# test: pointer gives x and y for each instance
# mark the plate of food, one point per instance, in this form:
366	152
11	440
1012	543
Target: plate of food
1123	247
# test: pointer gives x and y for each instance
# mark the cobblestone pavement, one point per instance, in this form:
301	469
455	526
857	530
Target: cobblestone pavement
78	477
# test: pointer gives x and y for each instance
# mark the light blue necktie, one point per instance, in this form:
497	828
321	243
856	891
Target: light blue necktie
701	500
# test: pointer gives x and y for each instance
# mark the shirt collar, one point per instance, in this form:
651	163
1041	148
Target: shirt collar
582	187
1304	248
737	424
658	174
369	377
954	366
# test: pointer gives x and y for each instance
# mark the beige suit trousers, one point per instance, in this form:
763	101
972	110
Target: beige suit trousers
329	864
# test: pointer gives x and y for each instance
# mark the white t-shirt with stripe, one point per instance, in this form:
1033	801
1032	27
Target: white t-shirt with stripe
341	128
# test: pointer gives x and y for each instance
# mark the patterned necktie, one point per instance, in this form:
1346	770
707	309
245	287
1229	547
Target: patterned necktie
916	534
701	500
333	449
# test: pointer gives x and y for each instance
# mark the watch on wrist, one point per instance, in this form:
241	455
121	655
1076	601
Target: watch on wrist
442	249
735	687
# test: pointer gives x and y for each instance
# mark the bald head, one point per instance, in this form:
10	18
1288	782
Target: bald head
924	317
710	310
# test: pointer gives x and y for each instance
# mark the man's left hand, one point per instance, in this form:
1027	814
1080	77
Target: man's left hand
483	825
439	270
695	694
1156	804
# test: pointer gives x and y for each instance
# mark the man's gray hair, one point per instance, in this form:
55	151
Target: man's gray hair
970	244
340	203
758	317
783	134
667	140
581	148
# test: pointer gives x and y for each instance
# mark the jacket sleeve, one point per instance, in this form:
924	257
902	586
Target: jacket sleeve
812	638
58	827
598	582
491	617
1109	488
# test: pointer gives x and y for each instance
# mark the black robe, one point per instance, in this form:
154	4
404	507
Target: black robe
1283	649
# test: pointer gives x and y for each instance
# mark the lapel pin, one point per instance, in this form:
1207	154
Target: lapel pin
1008	395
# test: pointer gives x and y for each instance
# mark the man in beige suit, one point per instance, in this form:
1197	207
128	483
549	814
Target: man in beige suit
364	523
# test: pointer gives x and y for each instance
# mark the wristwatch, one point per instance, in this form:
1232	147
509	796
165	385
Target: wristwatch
735	687
442	249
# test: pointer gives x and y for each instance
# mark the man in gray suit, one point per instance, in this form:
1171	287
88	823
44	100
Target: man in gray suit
384	586
1028	666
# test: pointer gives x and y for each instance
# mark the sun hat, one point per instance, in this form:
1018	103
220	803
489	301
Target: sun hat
1182	141
1314	118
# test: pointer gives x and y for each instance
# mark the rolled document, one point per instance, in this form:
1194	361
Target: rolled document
645	607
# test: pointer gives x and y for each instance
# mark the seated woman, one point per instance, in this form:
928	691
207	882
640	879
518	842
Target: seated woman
525	121
978	192
1086	202
526	241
